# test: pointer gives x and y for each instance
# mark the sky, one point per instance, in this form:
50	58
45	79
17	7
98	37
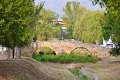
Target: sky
58	5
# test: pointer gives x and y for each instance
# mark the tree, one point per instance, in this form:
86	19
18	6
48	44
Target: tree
112	22
16	23
82	24
88	27
46	28
72	11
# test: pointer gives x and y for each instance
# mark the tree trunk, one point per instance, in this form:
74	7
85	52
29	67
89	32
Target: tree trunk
46	37
20	53
13	53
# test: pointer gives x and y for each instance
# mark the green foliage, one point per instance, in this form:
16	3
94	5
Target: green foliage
48	31
65	58
83	24
46	50
115	51
45	28
77	73
72	11
88	27
112	22
15	22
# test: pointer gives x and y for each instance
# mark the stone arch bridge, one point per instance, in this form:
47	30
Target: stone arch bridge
68	46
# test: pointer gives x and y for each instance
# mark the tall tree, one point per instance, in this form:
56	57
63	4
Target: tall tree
83	23
112	21
72	10
17	19
46	28
88	27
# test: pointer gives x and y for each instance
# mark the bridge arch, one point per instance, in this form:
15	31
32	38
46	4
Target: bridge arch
48	50
81	49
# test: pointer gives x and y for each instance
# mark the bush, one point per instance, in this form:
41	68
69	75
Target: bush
65	58
115	51
46	50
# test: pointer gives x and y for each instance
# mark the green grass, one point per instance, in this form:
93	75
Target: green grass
79	75
65	58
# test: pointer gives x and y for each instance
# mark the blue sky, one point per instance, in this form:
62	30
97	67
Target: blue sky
58	5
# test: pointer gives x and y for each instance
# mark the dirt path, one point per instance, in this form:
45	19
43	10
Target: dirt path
108	69
29	69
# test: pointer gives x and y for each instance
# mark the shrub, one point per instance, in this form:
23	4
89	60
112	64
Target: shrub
65	58
46	50
115	51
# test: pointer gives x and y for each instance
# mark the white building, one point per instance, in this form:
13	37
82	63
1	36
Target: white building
108	43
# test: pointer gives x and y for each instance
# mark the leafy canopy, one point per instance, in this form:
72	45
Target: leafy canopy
83	24
16	22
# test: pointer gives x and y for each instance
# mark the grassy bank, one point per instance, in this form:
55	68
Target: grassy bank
65	58
79	75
